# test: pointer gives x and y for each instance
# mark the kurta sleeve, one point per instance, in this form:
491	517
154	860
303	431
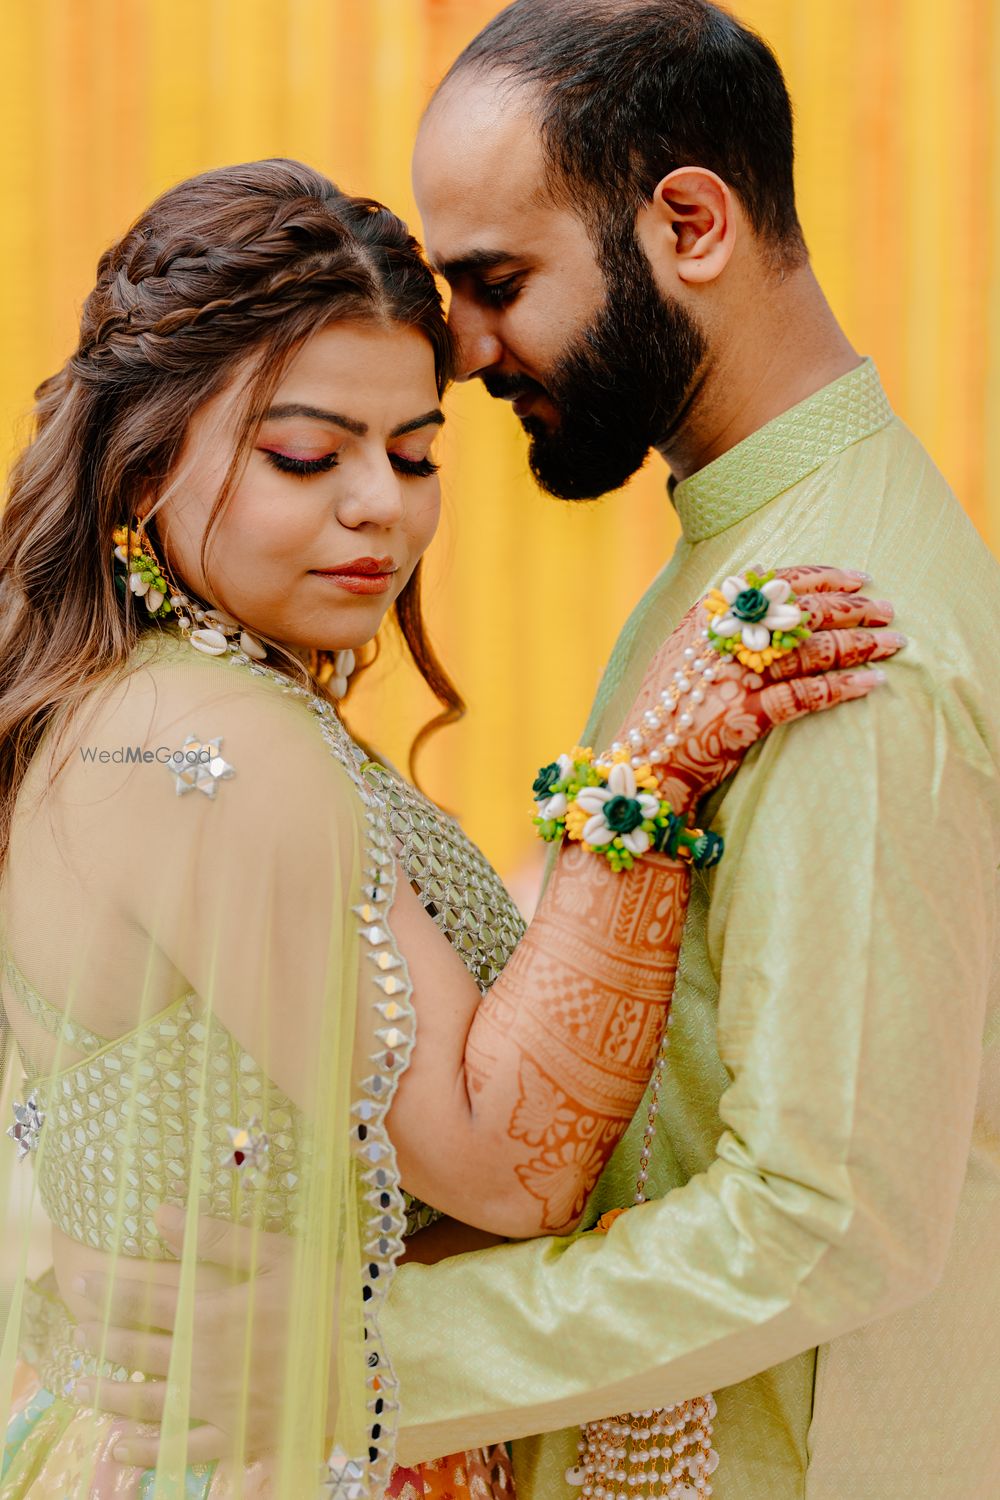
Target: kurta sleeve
850	934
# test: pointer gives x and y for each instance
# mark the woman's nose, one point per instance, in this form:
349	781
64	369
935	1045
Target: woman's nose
374	496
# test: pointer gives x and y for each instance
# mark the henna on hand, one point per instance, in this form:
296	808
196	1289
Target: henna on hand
739	708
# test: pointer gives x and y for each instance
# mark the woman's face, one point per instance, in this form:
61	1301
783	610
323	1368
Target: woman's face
339	497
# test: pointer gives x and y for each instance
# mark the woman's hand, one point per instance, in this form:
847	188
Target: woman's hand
703	741
225	1394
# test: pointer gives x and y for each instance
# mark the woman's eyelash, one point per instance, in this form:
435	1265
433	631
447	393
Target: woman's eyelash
419	468
301	466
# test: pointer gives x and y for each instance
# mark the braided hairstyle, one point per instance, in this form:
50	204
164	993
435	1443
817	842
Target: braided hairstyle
238	264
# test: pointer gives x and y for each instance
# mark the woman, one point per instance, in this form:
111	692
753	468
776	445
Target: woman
216	905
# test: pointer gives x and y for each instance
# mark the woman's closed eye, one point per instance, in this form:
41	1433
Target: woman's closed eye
303	468
415	468
288	463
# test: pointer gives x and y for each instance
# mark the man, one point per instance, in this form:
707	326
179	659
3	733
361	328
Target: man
608	189
607	184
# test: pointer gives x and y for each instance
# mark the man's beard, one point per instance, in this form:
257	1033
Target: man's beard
619	388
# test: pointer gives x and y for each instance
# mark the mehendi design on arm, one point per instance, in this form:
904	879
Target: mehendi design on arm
583	1003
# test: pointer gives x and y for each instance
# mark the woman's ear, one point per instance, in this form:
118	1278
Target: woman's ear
689	226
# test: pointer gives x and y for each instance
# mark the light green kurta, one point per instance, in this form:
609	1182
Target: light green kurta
824	1250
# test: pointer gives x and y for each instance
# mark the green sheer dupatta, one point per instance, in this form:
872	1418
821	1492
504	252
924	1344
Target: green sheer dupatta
233	1016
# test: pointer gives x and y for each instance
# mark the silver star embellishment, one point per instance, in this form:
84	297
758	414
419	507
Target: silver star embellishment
201	768
28	1122
249	1147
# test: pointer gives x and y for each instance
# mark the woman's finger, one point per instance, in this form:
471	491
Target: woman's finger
781	702
149	1352
830	650
816	580
138	1449
841	611
131	1304
143	1400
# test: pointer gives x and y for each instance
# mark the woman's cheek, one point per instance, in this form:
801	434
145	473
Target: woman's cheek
425	517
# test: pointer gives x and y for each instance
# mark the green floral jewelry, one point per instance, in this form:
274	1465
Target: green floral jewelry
616	810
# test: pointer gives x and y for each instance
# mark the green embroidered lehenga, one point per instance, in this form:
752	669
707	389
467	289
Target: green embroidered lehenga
266	878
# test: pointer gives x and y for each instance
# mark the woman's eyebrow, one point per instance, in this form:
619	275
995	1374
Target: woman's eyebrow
433	418
294	409
349	424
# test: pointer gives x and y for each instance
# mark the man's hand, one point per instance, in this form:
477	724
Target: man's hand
140	1316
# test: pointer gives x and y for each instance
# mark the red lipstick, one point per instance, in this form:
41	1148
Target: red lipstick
364	575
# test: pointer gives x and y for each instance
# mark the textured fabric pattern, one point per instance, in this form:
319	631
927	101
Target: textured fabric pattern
149	1086
822	1254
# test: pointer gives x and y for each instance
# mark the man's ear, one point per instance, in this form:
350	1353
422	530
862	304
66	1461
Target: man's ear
690	225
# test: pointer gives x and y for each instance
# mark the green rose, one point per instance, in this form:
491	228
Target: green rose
750	606
545	780
622	814
707	850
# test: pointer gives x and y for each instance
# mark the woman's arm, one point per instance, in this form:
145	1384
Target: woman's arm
511	1107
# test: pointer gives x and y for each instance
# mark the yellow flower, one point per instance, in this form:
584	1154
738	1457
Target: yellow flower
716	603
620	757
646	780
581	752
576	821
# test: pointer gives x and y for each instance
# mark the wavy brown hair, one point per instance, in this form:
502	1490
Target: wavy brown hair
239	264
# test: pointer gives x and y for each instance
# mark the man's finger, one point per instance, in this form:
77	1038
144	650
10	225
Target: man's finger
840	611
137	1449
829	650
781	702
131	1304
220	1242
815	580
149	1352
143	1400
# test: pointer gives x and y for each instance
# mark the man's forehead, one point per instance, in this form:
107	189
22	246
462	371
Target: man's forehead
478	170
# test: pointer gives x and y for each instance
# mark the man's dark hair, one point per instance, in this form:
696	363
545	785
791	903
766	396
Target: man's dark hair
632	89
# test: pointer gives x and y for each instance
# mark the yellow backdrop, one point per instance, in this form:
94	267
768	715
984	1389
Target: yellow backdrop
107	102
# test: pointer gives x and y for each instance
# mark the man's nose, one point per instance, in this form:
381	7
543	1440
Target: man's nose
478	345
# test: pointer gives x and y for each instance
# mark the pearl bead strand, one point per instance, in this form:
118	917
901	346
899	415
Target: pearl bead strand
653	739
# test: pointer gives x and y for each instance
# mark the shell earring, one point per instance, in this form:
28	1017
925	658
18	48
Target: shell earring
211	631
337	671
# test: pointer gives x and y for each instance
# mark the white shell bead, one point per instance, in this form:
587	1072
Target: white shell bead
344	663
217	617
154	598
137	583
211	642
252	646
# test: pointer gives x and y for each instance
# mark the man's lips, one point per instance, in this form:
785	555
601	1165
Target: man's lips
364	575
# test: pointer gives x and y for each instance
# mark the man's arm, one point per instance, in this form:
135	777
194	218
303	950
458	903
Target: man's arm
851	932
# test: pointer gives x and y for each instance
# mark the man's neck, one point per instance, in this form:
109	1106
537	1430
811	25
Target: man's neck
789	348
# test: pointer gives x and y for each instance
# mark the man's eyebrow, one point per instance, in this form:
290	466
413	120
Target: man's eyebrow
294	409
360	429
476	260
430	418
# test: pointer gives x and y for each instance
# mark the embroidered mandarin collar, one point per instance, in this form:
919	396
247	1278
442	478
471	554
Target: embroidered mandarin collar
782	453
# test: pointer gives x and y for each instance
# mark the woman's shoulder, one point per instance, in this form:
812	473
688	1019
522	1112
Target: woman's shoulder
173	711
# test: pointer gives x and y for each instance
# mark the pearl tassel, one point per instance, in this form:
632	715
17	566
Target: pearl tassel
664	1453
